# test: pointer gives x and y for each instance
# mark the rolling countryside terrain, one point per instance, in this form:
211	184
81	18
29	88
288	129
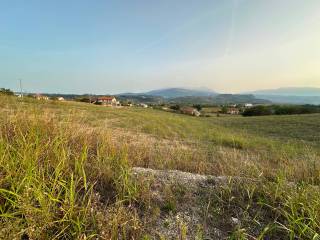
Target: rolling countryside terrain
68	170
160	120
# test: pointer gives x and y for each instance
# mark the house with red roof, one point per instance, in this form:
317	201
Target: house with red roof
107	101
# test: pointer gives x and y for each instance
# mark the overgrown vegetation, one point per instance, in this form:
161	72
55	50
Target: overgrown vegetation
269	210
5	91
54	180
65	170
262	110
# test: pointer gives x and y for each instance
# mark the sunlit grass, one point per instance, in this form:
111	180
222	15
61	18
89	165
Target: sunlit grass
65	169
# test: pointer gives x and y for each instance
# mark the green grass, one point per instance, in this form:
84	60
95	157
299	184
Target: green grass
65	168
273	210
300	128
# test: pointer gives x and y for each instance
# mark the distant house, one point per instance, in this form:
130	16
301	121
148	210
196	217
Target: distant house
190	111
143	105
60	98
233	111
107	101
40	97
248	105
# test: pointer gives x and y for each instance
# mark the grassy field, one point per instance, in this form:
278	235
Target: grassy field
65	168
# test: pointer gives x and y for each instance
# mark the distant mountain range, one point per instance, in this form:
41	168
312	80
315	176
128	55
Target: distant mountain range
190	96
293	95
292	91
220	99
181	92
175	92
208	96
315	100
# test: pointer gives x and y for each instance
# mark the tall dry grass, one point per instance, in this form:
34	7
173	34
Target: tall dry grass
66	175
62	182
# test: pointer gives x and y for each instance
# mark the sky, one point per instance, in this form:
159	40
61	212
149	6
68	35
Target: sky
114	46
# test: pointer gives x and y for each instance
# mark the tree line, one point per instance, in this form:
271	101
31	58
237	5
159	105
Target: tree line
263	110
6	91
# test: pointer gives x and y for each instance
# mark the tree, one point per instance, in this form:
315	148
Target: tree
175	107
83	99
6	91
197	106
54	98
258	111
224	109
281	110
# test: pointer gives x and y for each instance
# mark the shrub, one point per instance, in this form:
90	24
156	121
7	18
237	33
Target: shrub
175	107
6	91
257	111
197	106
281	110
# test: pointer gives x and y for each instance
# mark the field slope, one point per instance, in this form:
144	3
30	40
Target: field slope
66	172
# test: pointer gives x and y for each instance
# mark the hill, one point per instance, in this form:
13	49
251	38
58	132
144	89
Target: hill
72	170
291	99
181	92
290	91
188	96
141	98
220	99
293	95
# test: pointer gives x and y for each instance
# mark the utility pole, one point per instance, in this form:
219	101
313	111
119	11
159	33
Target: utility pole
21	93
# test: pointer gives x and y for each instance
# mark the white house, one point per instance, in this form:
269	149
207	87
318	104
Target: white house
143	105
248	105
190	111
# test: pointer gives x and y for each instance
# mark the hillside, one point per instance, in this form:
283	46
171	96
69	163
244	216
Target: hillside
290	95
78	171
220	99
291	99
217	99
181	92
141	98
290	91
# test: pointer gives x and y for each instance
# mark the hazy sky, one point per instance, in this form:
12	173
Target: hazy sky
106	46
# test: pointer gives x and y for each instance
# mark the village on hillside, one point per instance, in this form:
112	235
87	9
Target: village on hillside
219	106
196	110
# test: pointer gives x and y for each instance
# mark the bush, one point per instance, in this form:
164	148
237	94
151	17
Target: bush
175	107
84	99
224	110
197	106
6	91
281	110
257	111
292	109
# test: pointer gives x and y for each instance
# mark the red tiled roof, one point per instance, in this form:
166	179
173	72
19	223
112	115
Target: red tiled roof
188	109
105	98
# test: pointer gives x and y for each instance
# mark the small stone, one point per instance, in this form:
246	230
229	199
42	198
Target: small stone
235	221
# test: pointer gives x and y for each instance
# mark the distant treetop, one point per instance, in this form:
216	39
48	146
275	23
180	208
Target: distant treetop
6	91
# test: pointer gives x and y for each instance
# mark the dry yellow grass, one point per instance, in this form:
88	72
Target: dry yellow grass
68	165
